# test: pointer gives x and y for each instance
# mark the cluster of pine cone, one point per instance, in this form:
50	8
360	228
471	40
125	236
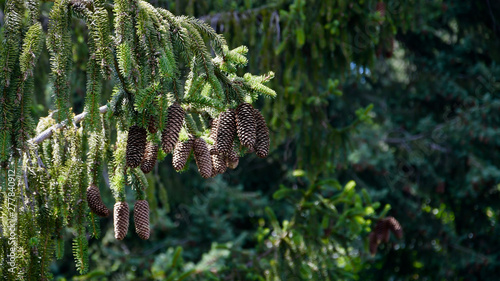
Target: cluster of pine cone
121	214
141	219
140	151
245	122
250	126
381	232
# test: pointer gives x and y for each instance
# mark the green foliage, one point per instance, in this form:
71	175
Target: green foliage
80	252
94	157
11	42
59	45
426	147
400	96
147	60
169	266
32	47
327	222
118	167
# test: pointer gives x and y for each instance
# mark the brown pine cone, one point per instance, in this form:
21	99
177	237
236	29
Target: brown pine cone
95	202
395	227
136	145
262	140
181	154
202	157
141	219
150	157
233	160
121	220
373	243
170	135
213	135
380	7
386	235
245	123
226	131
381	231
219	164
152	124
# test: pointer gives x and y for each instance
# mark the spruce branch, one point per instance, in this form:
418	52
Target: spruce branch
48	132
121	77
150	53
11	34
59	45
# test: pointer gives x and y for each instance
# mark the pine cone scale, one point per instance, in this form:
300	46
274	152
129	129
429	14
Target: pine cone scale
150	157
152	125
381	232
141	219
121	220
95	203
202	158
213	135
170	135
136	146
181	154
219	164
395	227
262	141
245	123
226	131
232	160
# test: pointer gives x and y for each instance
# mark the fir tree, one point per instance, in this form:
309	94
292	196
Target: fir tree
156	61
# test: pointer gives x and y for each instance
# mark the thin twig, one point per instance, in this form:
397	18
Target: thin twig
48	132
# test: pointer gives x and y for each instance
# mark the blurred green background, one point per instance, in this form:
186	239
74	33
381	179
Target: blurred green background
383	108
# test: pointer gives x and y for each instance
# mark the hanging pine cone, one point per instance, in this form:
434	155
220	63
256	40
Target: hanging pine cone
141	219
226	131
181	154
386	235
380	7
373	243
395	227
150	157
152	124
245	123
202	157
382	231
121	220
170	135
233	160
219	163
251	150
262	141
136	145
213	135
95	202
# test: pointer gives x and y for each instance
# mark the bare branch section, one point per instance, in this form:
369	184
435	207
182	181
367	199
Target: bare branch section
78	118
